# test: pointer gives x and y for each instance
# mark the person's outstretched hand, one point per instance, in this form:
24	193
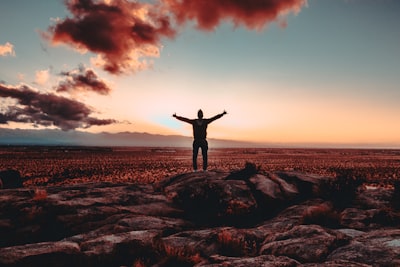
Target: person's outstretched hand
174	115
223	113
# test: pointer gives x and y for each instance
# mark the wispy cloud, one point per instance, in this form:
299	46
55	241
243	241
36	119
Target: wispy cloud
46	109
7	49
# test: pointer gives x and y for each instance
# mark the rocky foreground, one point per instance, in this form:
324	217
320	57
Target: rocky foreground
242	218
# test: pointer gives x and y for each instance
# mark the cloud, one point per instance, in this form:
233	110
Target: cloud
7	50
83	80
42	76
123	34
253	14
126	35
46	109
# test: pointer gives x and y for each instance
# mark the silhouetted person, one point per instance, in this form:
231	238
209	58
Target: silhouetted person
200	135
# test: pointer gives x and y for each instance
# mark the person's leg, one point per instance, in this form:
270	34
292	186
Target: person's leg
204	150
195	152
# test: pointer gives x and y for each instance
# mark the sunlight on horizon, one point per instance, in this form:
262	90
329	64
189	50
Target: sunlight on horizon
312	81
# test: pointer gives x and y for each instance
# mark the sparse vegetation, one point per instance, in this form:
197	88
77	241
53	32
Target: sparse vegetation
323	214
396	195
237	243
56	166
40	194
180	257
342	189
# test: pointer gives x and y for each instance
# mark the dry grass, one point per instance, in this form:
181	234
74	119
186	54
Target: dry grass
40	194
237	244
56	166
323	214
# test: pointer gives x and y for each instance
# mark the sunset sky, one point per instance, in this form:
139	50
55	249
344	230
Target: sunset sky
287	72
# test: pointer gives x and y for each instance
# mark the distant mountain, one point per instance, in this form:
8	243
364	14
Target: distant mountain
79	138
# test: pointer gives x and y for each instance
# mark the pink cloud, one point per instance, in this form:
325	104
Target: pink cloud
7	50
125	35
121	33
253	14
42	77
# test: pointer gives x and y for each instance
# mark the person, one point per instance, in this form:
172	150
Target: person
200	134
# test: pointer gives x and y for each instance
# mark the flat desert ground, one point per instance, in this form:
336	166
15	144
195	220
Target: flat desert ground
42	166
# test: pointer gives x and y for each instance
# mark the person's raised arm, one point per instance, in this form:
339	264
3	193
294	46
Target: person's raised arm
182	118
216	117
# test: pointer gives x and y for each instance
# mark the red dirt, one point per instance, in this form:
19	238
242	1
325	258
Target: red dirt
72	165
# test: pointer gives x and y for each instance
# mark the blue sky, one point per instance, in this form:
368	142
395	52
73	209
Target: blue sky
332	75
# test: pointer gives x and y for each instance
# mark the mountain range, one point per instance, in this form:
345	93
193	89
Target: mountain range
53	137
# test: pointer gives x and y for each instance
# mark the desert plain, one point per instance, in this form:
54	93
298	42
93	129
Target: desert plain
144	206
73	165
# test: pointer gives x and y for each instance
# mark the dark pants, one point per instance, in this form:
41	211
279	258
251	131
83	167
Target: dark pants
202	143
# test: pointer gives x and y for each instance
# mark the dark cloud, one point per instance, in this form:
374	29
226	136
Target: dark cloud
47	109
254	14
122	33
125	34
82	80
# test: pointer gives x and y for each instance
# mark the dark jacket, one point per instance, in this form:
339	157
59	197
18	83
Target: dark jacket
199	125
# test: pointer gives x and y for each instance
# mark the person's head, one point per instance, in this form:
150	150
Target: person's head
200	114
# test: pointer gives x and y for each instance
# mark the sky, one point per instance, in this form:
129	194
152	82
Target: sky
287	72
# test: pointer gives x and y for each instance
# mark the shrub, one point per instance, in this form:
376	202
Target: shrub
342	189
395	201
40	194
181	256
249	170
323	214
237	243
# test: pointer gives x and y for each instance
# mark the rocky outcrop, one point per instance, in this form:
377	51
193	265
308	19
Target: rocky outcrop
215	218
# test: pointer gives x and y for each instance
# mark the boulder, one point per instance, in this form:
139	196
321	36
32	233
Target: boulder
209	199
239	197
62	253
262	261
304	243
377	248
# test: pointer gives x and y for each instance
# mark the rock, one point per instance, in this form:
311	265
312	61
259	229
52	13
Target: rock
308	185
377	248
60	253
242	218
10	179
305	243
286	219
351	232
119	249
234	198
337	263
376	198
369	219
270	191
262	261
354	218
210	199
189	246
